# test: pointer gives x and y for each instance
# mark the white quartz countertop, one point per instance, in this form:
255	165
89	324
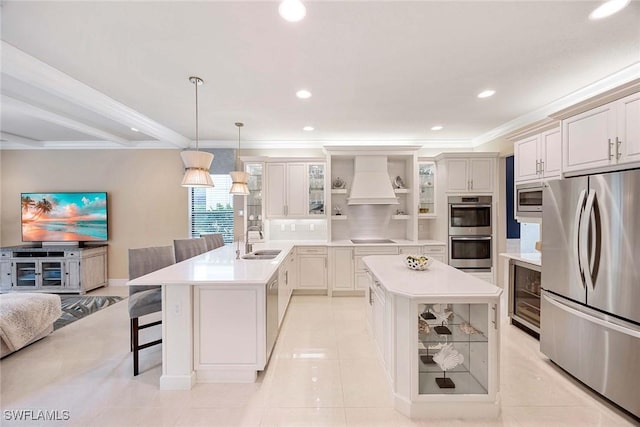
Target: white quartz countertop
218	266
439	280
531	258
397	242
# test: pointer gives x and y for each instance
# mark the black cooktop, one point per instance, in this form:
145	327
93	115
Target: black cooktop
370	241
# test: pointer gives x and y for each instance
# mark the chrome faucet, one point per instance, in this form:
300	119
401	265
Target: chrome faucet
248	247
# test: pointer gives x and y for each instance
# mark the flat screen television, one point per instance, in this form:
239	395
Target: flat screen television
64	217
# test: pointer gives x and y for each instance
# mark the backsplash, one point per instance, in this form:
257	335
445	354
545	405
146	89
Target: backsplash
296	229
529	235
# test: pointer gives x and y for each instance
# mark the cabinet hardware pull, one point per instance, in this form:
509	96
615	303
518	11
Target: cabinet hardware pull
541	166
610	146
537	167
618	142
495	316
472	184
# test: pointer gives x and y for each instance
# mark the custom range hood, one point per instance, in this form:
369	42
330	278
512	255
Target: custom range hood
371	183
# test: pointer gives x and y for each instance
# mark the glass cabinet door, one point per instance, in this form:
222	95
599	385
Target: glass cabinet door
316	189
453	349
426	183
52	274
254	199
26	274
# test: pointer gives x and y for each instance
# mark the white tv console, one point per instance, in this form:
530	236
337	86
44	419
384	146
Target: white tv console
53	269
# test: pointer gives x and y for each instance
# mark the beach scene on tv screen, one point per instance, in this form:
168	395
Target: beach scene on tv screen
60	217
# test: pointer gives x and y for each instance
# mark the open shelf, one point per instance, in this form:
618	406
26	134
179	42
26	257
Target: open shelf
338	191
339	217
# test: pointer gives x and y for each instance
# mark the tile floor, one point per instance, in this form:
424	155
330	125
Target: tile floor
324	372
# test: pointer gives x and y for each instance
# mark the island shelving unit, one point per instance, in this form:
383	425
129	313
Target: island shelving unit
437	332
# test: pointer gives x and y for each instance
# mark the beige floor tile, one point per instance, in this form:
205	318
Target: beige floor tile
377	417
306	384
365	384
325	370
303	417
560	416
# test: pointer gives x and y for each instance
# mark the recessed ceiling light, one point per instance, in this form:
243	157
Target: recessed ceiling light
135	130
486	93
608	8
437	127
303	94
292	10
308	128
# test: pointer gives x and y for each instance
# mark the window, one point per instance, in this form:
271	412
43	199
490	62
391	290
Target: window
211	209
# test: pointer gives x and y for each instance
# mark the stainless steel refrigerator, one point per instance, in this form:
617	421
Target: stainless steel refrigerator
590	307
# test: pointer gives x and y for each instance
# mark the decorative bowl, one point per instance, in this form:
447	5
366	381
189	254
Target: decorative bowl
417	262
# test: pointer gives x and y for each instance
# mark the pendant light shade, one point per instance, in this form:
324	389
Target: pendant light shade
239	177
196	163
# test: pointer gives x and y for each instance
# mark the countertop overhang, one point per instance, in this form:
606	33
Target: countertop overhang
216	267
438	281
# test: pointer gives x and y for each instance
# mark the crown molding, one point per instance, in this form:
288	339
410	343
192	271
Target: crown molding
626	79
26	68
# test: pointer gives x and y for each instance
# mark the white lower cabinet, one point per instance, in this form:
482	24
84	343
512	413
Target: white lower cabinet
287	275
313	267
359	252
341	262
438	252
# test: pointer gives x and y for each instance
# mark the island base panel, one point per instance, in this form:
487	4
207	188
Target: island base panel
177	382
445	409
226	375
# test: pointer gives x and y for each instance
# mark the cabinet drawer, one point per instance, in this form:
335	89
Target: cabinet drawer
376	250
433	249
409	249
312	250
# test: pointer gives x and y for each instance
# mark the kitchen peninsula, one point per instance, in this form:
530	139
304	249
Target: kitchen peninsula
220	316
437	332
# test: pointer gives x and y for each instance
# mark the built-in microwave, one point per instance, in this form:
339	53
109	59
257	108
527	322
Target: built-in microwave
529	200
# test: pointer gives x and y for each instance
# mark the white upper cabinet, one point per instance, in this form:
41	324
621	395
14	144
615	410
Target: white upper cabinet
551	154
473	175
538	156
294	190
604	136
629	128
276	175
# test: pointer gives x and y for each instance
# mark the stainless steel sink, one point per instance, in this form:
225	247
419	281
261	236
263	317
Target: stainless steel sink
267	252
254	255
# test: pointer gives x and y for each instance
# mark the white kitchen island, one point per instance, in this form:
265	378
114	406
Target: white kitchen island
219	316
402	303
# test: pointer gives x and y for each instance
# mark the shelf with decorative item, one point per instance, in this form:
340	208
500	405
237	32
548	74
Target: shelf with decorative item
338	217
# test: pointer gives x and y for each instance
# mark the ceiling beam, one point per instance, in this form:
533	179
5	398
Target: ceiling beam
10	137
34	72
66	122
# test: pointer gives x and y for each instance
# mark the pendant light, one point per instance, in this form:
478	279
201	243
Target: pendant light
196	163
239	177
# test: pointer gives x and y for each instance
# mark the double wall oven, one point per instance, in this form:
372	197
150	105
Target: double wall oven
470	232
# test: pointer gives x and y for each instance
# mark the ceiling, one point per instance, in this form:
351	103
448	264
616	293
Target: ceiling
81	74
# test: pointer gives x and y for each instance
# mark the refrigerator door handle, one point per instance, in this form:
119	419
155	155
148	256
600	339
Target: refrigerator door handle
577	240
585	241
594	238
